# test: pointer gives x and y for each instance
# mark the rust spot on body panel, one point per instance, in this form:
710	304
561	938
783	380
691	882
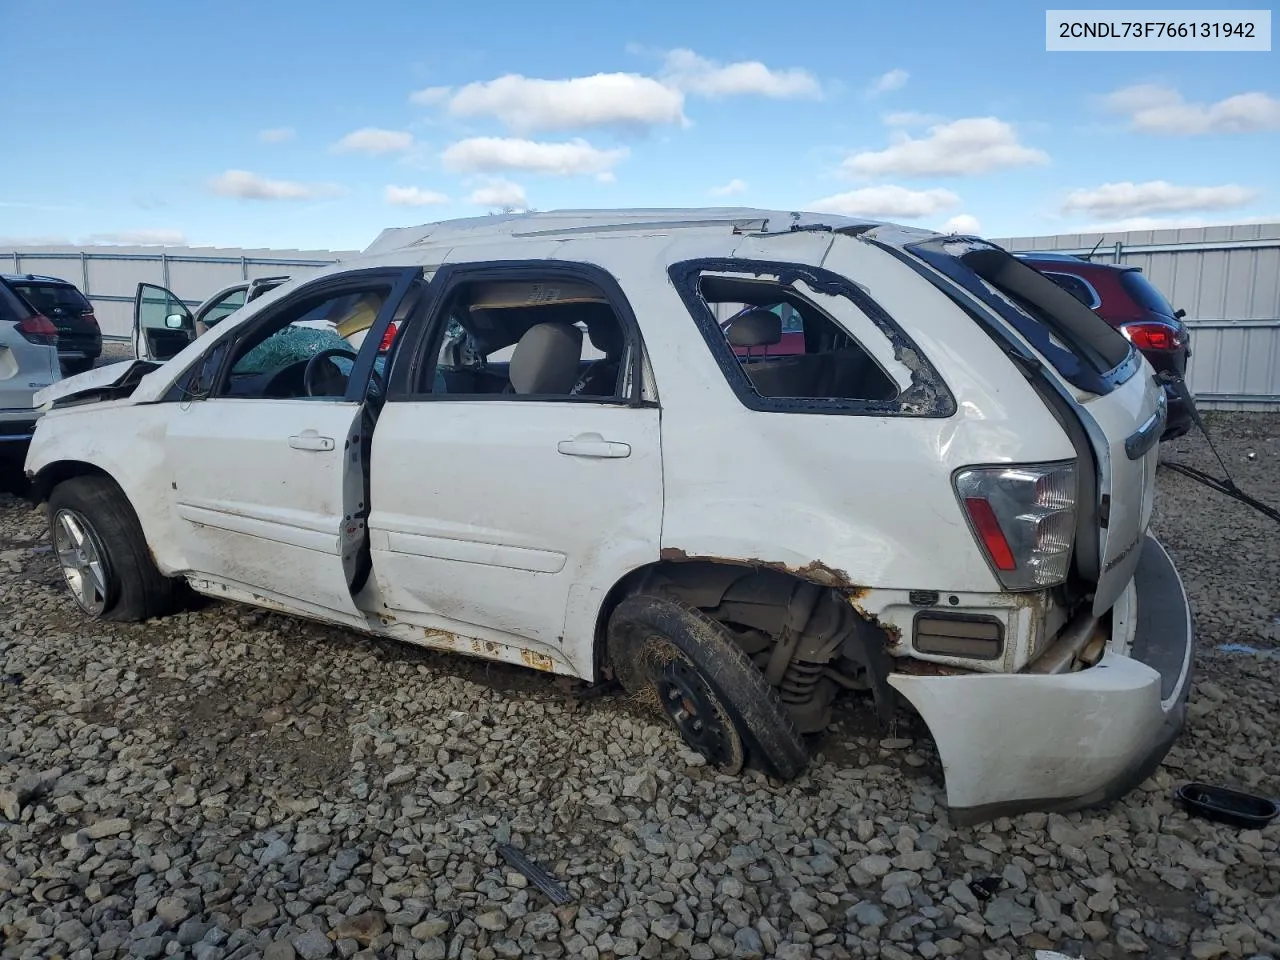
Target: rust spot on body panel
814	571
539	661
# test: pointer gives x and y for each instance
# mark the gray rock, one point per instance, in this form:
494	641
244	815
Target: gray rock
312	945
171	911
493	920
898	896
1005	912
747	944
258	914
112	827
665	927
866	914
398	776
280	950
875	864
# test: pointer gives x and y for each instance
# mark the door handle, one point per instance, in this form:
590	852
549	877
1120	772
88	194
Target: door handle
593	445
310	440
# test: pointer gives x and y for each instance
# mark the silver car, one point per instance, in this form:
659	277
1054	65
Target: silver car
28	362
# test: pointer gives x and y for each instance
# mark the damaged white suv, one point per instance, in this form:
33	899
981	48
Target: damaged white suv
739	460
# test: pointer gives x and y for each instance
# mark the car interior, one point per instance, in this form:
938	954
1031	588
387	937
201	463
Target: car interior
530	338
832	364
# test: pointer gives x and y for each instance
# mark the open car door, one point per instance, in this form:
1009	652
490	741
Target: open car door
162	324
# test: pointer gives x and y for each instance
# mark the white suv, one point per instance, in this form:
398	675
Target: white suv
588	450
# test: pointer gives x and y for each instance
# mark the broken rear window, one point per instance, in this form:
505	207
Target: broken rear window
1080	345
794	338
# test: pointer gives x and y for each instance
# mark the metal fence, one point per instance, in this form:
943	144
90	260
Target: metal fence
109	278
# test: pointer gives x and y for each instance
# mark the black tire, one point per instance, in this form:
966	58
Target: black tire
79	365
648	635
134	589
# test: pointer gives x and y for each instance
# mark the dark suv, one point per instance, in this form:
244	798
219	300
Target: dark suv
79	336
1126	299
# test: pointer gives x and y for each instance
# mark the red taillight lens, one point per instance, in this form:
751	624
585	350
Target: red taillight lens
1152	336
89	318
988	527
388	338
38	329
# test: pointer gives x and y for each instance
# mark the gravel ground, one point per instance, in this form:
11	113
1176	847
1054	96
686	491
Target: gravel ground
232	783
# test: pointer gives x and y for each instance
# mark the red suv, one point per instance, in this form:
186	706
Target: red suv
1127	300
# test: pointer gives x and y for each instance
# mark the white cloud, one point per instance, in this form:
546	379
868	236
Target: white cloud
489	154
894	79
413	197
963	147
886	201
250	186
605	99
276	134
142	237
733	187
1128	199
911	118
430	96
961	223
374	141
1152	108
500	193
687	71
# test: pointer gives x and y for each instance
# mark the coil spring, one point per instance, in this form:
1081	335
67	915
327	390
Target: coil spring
800	681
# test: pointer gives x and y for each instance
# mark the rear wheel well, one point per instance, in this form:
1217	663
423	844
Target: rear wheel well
802	632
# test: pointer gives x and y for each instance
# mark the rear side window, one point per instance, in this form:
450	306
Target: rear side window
12	308
1085	350
54	299
792	338
1145	293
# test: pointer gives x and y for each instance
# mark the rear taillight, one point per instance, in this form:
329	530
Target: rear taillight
1025	518
388	338
89	318
1152	335
38	329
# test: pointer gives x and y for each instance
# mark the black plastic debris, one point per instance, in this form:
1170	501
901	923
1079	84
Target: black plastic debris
548	884
984	888
1233	807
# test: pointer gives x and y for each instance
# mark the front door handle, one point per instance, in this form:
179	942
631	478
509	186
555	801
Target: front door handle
310	440
593	445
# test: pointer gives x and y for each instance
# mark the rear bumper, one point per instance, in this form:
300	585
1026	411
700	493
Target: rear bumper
1016	742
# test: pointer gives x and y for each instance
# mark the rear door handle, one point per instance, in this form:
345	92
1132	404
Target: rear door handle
310	440
593	445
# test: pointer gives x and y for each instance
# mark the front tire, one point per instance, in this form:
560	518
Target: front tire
675	657
103	553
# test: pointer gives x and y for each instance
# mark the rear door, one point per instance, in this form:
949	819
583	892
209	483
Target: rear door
162	324
1104	383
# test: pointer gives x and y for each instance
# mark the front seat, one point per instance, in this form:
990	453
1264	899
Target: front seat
546	359
601	377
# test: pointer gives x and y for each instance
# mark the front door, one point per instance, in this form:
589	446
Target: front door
269	469
162	324
517	468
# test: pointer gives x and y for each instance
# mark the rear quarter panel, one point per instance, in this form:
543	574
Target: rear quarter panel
870	496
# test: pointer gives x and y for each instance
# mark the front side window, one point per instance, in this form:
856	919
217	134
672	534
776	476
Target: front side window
799	339
222	309
306	350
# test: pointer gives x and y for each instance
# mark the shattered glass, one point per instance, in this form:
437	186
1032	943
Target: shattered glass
289	345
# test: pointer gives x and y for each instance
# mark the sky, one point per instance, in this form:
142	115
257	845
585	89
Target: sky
315	125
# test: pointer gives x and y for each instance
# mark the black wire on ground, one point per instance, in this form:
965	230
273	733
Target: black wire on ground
1226	486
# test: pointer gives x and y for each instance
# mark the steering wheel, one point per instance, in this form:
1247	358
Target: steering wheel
313	388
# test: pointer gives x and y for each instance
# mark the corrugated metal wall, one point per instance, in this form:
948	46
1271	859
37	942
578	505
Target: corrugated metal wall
108	276
1227	279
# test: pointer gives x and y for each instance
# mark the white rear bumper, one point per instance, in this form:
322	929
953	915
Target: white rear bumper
1013	742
